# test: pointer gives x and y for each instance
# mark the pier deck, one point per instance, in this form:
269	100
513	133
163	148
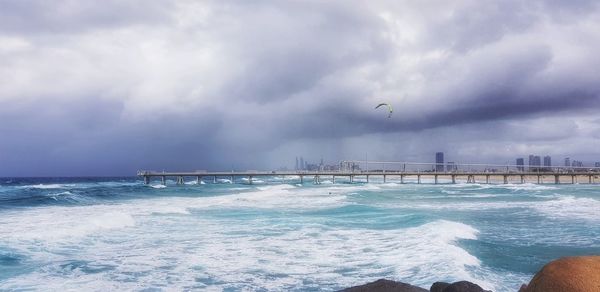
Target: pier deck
538	177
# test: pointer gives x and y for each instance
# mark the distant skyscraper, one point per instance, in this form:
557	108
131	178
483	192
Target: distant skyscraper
567	161
296	163
534	162
530	160
597	164
302	167
520	164
547	161
439	161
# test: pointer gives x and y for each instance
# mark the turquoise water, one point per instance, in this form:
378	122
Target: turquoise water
119	234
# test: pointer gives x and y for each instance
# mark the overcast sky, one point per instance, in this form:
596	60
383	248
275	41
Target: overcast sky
109	87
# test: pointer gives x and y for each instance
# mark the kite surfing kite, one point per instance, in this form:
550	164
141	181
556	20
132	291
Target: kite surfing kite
390	109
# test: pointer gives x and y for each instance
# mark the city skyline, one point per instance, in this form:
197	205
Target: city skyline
440	163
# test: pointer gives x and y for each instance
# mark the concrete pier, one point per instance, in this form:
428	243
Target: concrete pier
432	177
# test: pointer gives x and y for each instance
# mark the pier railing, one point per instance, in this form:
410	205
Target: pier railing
403	166
363	170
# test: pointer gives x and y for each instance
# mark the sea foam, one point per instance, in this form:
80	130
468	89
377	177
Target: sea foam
46	186
285	237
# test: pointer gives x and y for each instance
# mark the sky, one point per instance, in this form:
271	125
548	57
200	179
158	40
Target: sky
111	87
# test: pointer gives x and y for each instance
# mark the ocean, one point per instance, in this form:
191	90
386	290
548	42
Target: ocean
115	234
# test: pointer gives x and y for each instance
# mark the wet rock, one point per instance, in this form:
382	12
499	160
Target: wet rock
464	286
383	285
438	286
573	274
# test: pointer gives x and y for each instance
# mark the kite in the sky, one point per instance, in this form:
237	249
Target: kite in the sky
390	109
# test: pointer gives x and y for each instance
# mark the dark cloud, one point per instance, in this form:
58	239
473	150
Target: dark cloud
106	88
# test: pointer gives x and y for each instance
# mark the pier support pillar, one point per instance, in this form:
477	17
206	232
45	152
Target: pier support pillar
471	179
351	179
539	179
522	179
333	179
250	179
198	180
401	178
435	179
384	180
572	179
232	179
146	179
418	178
556	179
505	179
180	180
590	179
215	179
367	178
163	180
453	179
487	179
301	179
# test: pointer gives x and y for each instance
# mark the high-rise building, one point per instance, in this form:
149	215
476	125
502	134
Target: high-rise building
296	163
597	164
547	160
439	162
520	164
349	166
534	162
577	163
530	161
567	161
302	166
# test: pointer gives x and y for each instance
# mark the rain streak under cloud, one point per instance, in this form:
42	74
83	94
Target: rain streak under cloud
106	88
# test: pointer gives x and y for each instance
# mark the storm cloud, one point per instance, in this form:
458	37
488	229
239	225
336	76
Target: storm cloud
106	88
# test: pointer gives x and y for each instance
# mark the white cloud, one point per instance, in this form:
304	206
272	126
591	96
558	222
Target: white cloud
239	76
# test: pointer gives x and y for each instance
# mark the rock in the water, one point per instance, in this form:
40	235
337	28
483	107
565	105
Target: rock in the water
573	274
438	286
383	285
463	286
